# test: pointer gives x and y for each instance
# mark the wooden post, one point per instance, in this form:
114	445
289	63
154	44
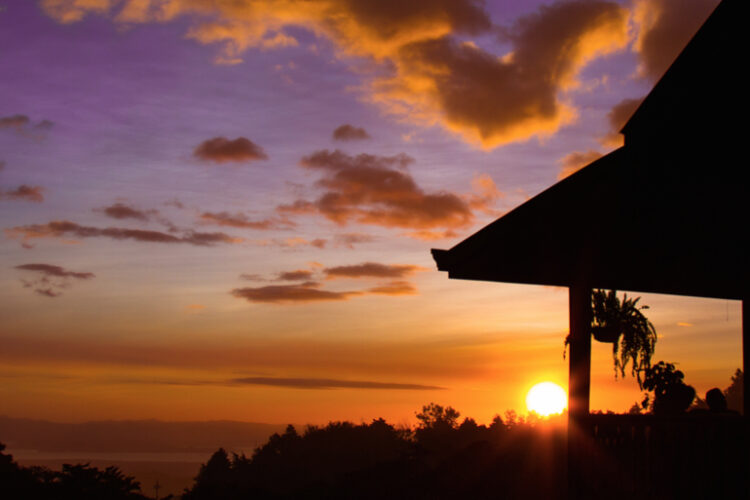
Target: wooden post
579	384
745	357
579	373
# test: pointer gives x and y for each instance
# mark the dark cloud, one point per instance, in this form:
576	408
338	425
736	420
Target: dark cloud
60	229
51	279
371	189
14	121
298	275
221	149
56	271
240	220
24	193
394	288
664	28
495	100
326	383
23	125
371	270
121	211
306	292
575	161
348	132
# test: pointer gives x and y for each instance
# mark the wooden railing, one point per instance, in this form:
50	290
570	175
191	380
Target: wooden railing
645	456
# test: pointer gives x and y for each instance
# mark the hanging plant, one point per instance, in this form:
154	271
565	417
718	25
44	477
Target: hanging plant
623	324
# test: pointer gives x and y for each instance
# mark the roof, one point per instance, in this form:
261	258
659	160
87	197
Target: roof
667	213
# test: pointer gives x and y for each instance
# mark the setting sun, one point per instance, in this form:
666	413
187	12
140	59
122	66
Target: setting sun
546	398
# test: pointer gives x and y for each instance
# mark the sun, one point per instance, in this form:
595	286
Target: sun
546	398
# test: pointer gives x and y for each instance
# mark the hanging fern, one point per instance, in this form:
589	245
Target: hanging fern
635	336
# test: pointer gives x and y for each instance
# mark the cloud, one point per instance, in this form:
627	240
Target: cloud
371	189
575	161
433	77
664	28
298	275
60	229
240	220
326	383
194	308
121	211
306	292
348	132
348	240
394	288
493	100
14	121
371	270
25	193
221	150
51	279
22	124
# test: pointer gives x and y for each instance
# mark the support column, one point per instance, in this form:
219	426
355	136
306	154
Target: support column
579	372
745	357
579	385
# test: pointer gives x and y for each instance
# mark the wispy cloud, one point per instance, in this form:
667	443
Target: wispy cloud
301	293
60	229
240	220
371	270
327	383
24	193
50	279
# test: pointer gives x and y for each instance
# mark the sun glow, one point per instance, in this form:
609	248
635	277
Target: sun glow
546	398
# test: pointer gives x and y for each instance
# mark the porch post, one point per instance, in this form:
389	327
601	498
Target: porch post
579	383
579	372
745	357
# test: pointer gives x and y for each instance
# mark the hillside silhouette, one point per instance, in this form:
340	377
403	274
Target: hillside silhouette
679	455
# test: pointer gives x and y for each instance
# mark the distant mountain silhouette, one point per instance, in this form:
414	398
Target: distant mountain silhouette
133	435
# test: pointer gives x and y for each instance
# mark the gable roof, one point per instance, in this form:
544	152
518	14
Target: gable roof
666	213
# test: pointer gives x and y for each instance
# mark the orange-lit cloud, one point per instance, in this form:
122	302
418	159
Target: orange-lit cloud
298	275
327	383
240	220
371	189
14	121
122	211
306	292
394	288
664	28
575	161
348	132
51	279
371	270
221	150
490	99
60	229
24	193
348	240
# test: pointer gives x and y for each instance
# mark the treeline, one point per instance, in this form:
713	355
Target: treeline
441	458
72	482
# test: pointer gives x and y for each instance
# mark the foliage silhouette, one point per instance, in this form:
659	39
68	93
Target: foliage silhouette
671	394
72	482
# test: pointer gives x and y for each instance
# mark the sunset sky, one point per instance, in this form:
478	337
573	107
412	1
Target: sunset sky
222	209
